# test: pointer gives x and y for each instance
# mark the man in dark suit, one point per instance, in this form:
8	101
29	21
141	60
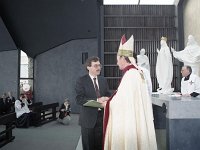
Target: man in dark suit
91	118
5	105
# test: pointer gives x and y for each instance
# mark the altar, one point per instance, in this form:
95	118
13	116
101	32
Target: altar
180	116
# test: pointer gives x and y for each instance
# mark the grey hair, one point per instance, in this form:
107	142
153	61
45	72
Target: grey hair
189	68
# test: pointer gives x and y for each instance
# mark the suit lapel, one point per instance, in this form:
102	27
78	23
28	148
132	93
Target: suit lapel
90	83
100	85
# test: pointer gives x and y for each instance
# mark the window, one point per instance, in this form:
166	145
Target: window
26	75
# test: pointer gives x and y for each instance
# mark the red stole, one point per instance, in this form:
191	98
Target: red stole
107	108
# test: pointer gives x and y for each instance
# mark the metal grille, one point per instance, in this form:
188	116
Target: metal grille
147	23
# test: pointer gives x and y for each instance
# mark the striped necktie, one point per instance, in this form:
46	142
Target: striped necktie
96	88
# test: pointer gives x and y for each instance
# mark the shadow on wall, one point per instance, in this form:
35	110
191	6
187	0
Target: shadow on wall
57	70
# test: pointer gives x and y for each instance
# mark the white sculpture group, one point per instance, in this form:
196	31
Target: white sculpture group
164	67
190	56
143	60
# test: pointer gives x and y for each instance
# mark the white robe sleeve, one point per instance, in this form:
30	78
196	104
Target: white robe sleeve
197	85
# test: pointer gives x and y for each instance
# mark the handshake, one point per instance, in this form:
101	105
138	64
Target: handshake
103	100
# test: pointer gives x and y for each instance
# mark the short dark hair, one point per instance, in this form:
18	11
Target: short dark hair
89	61
189	68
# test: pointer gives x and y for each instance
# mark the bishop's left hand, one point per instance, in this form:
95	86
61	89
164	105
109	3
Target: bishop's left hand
104	104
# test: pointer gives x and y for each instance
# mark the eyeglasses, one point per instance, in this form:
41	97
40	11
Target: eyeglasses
97	65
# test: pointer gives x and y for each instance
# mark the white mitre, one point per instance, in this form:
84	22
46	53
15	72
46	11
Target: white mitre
126	48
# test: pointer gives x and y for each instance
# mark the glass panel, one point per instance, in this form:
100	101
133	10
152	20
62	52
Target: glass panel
26	66
30	67
24	71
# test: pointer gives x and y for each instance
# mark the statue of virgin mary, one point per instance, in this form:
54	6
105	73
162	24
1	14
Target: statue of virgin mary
164	68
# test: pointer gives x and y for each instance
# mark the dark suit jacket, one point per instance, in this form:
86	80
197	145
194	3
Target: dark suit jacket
85	91
5	107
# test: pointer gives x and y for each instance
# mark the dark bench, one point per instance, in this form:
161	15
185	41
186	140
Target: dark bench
33	105
6	135
45	113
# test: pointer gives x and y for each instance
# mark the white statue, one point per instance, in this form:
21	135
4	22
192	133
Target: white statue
164	68
190	56
143	60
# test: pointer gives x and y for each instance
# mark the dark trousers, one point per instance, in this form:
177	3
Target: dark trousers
23	121
92	137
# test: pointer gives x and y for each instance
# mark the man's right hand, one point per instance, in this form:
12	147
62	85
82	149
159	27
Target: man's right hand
102	99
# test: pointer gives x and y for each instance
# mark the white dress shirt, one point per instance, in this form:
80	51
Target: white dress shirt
19	110
191	85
